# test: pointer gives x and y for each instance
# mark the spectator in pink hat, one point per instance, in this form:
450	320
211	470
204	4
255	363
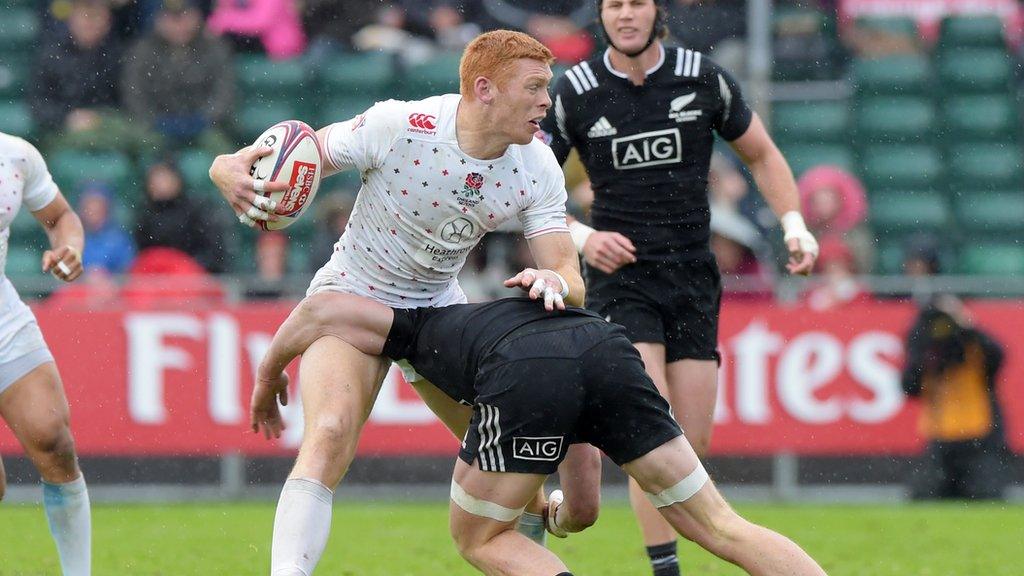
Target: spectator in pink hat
834	203
276	23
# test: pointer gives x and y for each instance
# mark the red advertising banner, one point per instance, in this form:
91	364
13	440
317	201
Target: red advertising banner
178	382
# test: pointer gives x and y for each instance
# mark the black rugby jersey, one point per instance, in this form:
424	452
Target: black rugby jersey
647	149
447	345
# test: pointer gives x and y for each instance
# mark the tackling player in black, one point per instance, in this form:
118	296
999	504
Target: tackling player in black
643	117
537	380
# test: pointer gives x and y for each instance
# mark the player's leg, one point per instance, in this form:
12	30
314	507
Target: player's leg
658	535
338	385
3	480
576	506
35	408
484	509
675	480
455	417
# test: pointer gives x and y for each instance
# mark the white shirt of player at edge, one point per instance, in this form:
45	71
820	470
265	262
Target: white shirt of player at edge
424	204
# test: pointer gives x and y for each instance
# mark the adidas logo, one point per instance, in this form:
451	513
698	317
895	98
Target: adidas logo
601	128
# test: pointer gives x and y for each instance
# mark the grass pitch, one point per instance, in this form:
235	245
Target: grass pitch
370	539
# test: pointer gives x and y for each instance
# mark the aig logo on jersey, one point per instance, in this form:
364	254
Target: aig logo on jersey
547	449
676	112
647	149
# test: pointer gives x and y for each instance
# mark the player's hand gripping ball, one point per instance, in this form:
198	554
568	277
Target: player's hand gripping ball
296	160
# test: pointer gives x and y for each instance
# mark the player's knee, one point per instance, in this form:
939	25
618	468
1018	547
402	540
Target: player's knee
700	443
334	431
3	487
54	442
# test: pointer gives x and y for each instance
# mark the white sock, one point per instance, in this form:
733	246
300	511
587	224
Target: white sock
67	511
301	527
532	526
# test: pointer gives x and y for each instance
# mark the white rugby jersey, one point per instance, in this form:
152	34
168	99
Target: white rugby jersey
424	204
24	180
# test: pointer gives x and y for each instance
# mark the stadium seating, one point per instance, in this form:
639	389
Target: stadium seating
974	70
986	166
19	27
15	118
23	260
368	75
253	119
70	168
1006	258
195	168
902	167
990	212
971	32
801	157
894	119
980	118
342	107
439	75
13	78
908	75
901	212
827	121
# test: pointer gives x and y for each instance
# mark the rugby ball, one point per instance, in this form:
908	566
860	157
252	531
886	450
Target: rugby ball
296	160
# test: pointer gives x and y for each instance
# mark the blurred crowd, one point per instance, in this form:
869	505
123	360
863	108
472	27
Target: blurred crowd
155	80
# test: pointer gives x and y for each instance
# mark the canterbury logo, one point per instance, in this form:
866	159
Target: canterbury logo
422	121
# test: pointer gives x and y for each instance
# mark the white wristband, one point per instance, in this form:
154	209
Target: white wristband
793	223
565	285
579	232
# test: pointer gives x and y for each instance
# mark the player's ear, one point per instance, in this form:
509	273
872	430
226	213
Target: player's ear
484	90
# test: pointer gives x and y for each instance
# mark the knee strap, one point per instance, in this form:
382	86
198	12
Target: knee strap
682	491
478	507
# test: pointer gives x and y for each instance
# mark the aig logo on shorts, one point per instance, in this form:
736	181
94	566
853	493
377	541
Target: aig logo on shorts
547	449
647	149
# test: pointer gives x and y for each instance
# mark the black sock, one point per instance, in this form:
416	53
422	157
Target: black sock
564	574
664	561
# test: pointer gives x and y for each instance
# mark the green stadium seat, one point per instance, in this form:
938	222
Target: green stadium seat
804	44
974	31
15	118
986	166
13	79
892	75
195	168
990	212
25	230
811	121
71	167
974	70
895	25
802	157
18	28
276	78
902	212
344	107
993	259
980	118
881	120
439	75
368	75
23	260
901	167
254	119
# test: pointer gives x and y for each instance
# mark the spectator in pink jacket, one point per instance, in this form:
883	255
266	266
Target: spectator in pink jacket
276	23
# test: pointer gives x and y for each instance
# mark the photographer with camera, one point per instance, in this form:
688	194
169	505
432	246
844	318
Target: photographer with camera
951	367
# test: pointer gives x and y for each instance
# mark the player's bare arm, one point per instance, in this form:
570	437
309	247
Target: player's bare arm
360	322
557	278
775	181
606	251
64	230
